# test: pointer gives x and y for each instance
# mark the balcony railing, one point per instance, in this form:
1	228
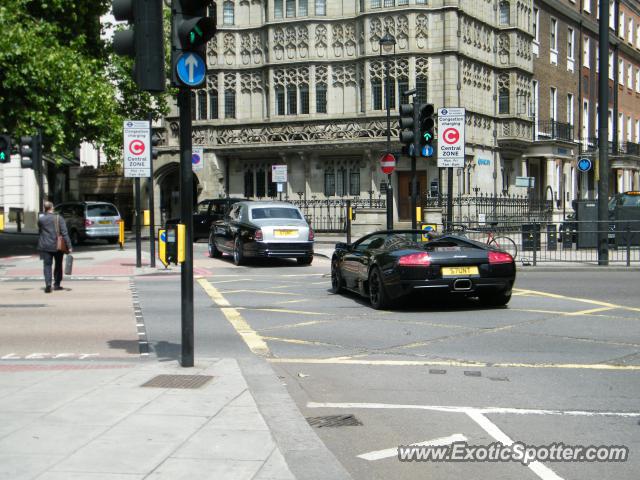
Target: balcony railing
591	144
554	130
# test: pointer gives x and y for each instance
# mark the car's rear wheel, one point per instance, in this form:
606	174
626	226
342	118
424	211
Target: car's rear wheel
336	277
305	260
377	293
495	300
238	255
213	250
75	238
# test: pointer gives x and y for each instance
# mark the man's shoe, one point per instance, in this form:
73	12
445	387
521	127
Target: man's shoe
58	287
47	289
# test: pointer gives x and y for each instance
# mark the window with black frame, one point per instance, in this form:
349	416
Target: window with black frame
329	183
321	98
202	105
228	14
213	104
354	182
248	184
503	101
304	99
376	94
292	100
229	104
280	100
421	90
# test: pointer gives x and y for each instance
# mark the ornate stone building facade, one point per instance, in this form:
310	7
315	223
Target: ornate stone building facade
302	83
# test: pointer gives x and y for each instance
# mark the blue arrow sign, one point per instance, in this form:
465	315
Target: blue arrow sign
191	69
584	165
427	151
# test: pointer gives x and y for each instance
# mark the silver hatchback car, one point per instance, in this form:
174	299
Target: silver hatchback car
90	220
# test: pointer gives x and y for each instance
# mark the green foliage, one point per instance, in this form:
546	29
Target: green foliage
56	74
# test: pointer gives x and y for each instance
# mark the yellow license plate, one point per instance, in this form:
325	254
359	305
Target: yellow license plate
459	271
286	233
105	222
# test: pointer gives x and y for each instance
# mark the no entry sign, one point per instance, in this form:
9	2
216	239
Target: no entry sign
388	163
451	123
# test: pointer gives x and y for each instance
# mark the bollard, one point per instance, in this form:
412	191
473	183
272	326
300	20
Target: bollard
121	234
1	222
19	220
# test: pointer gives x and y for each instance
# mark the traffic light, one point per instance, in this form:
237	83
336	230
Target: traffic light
191	29
155	140
427	126
144	41
5	148
31	152
406	126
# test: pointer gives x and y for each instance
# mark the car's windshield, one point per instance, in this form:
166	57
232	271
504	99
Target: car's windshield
101	210
275	212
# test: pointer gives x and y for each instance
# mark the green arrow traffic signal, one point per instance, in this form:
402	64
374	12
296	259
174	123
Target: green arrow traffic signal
5	148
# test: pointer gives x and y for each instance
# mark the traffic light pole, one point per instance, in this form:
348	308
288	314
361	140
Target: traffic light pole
389	187
39	168
186	218
603	134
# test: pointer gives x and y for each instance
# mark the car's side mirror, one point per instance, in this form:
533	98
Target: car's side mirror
343	246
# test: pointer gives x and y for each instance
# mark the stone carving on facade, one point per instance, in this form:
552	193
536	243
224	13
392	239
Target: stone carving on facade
350	39
422	67
402	35
256	46
476	75
338	40
344	75
212	81
399	68
229	81
375	70
321	74
321	40
303	41
245	48
278	43
504	46
422	30
360	129
375	33
229	48
477	34
361	36
212	51
251	82
290	42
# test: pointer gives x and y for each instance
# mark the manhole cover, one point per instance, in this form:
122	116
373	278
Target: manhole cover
178	381
334	421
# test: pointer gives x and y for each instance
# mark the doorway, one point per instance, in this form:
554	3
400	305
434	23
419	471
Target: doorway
168	179
404	193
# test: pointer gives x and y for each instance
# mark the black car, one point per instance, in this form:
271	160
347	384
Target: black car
205	213
262	229
391	264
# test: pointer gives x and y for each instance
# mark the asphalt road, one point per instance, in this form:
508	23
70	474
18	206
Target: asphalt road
559	364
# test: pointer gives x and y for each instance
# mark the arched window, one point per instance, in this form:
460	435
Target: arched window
503	101
505	14
202	105
321	98
304	99
213	104
279	100
228	13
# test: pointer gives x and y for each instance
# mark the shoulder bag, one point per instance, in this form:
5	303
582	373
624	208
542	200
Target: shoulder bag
61	245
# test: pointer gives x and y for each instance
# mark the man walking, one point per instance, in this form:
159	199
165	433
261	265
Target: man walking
50	226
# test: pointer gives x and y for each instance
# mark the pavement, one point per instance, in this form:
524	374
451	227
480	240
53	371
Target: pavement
81	398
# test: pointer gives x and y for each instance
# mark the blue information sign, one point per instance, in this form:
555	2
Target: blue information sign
584	165
191	69
427	151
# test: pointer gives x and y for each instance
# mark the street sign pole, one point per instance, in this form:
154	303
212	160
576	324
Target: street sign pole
449	198
186	218
138	233
152	221
603	133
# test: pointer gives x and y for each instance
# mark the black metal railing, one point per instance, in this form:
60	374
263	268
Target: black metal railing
591	144
505	210
329	215
555	130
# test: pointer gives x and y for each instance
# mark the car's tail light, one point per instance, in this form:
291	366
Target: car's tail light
415	260
311	234
499	257
87	222
259	236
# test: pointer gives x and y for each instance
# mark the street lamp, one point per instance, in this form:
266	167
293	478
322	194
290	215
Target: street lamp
387	48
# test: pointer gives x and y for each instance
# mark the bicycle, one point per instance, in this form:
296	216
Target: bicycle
500	242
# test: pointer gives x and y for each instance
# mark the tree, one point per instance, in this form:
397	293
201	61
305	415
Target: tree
57	74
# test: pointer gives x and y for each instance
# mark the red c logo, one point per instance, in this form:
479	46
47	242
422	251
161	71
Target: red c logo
136	147
451	136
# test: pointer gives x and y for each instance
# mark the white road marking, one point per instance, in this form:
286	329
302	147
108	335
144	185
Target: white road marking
542	471
483	410
393	452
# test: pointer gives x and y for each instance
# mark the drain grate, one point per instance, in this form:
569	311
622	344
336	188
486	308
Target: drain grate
178	381
334	421
472	373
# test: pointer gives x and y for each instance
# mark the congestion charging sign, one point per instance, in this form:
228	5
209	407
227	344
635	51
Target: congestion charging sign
451	122
137	148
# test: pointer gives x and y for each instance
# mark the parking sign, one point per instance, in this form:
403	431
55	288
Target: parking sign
451	123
